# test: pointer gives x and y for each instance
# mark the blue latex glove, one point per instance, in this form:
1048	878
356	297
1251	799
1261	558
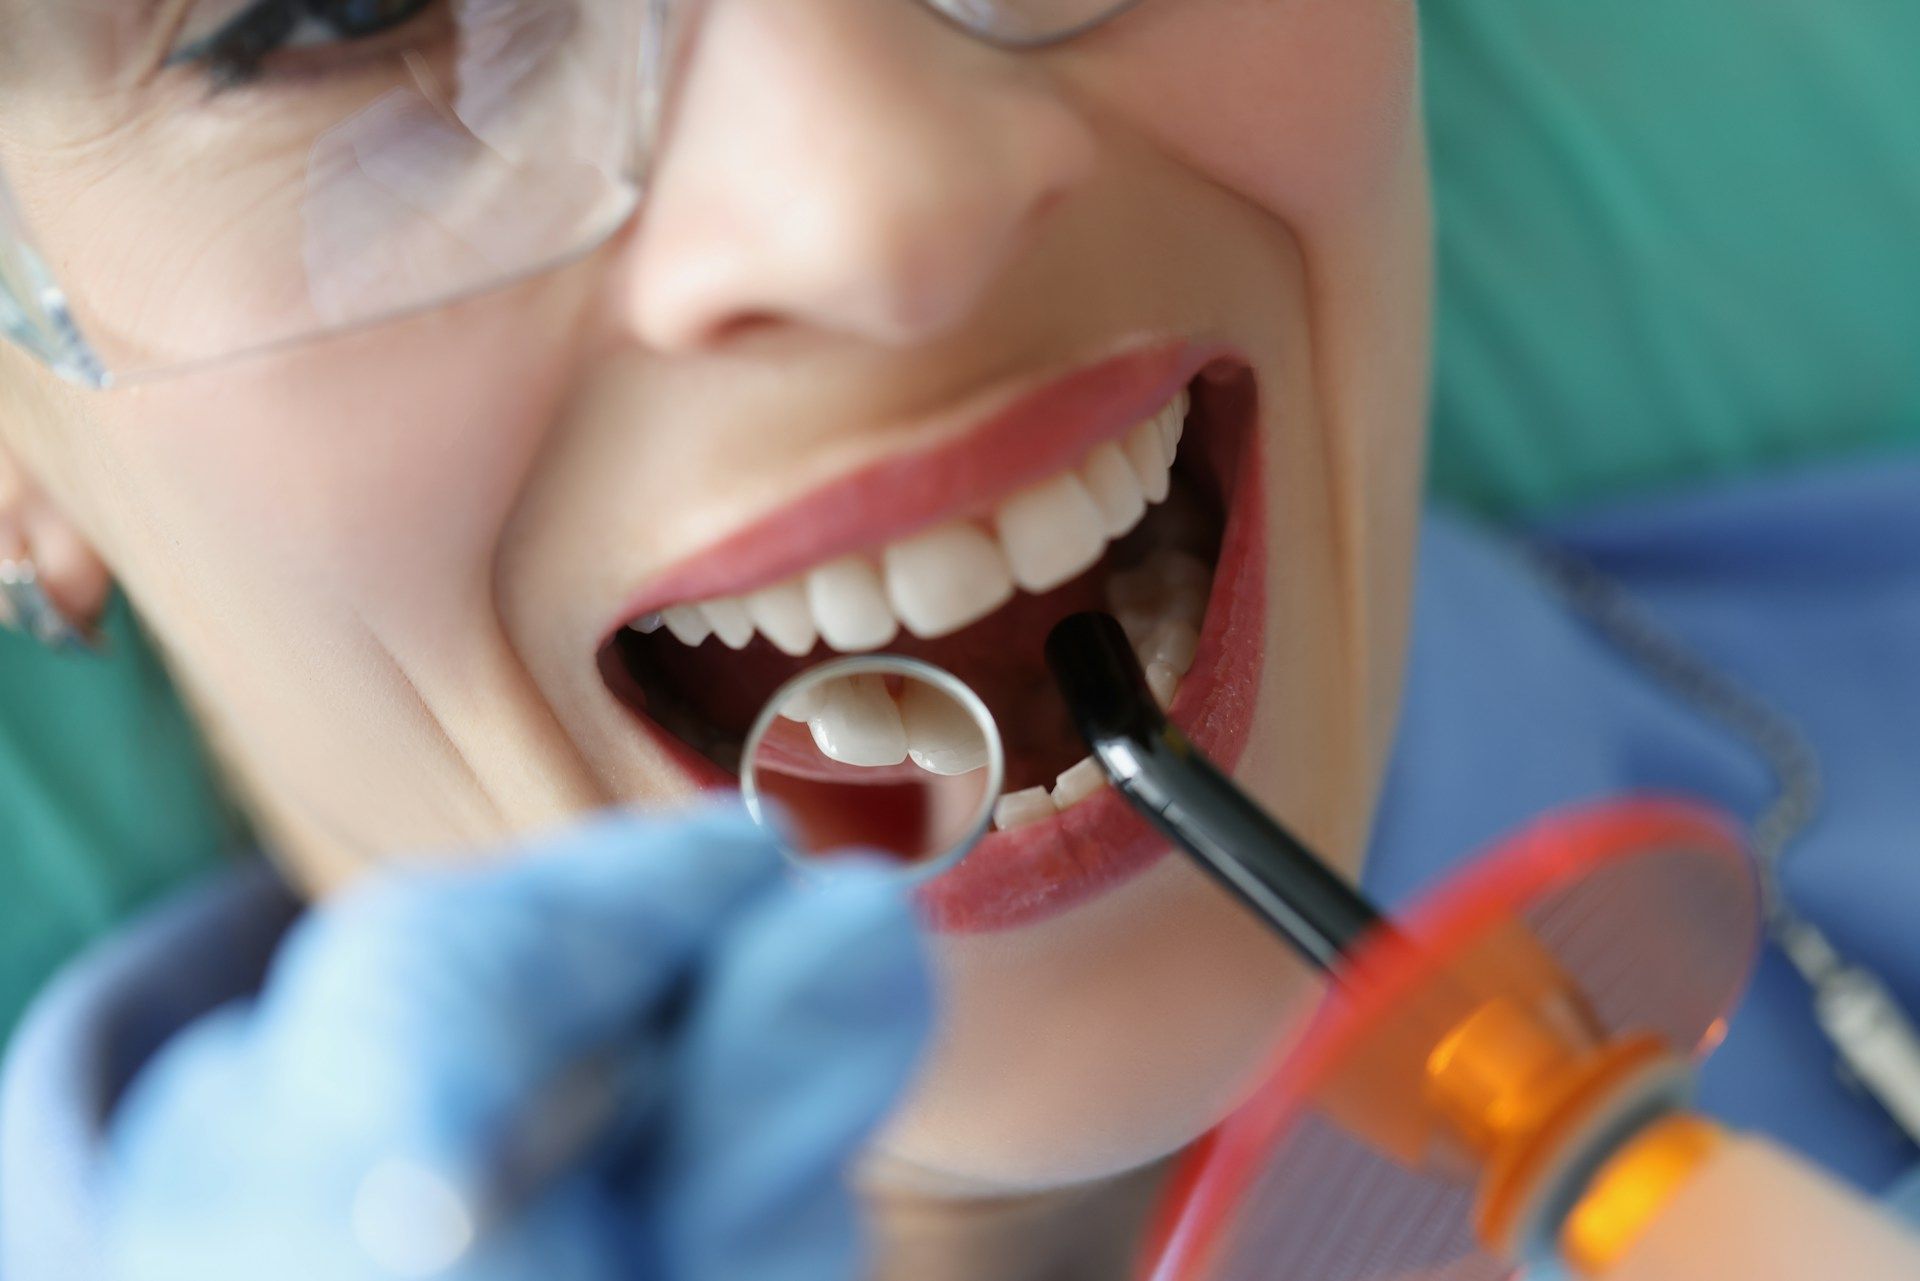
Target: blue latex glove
408	1024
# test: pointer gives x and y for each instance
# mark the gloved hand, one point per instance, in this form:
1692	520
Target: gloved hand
765	1026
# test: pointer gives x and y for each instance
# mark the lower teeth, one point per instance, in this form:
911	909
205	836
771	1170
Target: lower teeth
858	720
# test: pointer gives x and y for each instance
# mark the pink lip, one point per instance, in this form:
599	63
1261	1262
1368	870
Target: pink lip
1021	877
1037	436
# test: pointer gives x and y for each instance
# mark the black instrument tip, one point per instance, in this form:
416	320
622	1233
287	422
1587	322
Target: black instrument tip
1093	665
1199	808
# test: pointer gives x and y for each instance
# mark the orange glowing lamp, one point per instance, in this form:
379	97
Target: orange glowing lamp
1502	1081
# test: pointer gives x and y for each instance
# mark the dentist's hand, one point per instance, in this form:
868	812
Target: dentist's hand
410	1026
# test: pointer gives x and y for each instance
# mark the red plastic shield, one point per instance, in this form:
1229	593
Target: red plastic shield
1329	1172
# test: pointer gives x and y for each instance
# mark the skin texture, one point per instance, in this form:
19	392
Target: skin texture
380	565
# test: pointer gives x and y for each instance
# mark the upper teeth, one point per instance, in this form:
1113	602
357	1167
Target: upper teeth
939	580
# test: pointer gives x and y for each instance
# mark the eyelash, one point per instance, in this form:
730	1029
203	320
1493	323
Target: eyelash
231	56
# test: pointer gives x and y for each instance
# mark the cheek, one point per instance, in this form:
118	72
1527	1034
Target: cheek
371	474
1305	107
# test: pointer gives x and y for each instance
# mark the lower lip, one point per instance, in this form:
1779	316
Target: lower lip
1031	873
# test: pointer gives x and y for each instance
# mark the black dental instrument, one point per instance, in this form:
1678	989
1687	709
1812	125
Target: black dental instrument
1179	791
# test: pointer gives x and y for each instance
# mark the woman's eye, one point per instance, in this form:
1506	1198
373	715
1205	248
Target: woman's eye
232	51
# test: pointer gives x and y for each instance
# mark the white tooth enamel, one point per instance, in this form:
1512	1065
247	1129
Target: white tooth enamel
1051	532
1028	805
942	579
803	703
647	623
1172	422
688	623
1171	644
729	620
1079	781
1163	681
941	737
857	722
1148	456
1115	489
781	614
849	605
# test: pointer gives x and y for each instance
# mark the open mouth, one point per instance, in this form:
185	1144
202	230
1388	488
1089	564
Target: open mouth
1127	487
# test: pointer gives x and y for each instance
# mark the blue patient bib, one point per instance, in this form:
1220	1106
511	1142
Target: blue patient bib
1805	590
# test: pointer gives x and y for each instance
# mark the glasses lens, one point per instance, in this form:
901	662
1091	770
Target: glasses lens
1030	22
211	177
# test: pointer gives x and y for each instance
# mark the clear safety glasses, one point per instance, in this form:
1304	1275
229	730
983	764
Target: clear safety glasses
185	181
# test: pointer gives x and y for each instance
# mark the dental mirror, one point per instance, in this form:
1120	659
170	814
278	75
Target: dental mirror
876	753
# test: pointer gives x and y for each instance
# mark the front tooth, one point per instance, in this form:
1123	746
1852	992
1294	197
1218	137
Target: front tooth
941	737
1171	644
804	703
858	723
1163	681
941	580
1051	532
1028	805
781	614
1115	489
688	623
648	623
730	622
1148	456
849	605
1079	781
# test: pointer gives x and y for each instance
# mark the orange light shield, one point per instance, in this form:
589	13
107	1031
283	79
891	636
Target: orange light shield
1431	1093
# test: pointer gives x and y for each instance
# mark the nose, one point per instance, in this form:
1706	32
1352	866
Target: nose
853	166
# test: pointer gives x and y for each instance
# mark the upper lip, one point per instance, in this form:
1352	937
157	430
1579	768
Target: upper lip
1035	435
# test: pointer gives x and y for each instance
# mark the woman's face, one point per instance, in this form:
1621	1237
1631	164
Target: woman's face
886	279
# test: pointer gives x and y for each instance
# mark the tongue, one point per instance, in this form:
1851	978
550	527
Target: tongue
999	657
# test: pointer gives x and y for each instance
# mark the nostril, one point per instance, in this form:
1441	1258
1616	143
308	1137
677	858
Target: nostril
727	330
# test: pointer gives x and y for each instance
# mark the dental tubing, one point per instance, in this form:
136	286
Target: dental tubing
1577	1143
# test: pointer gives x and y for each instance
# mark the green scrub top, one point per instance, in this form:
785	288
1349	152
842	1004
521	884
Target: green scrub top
106	801
1677	240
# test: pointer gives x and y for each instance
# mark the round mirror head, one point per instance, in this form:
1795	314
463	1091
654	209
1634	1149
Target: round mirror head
875	753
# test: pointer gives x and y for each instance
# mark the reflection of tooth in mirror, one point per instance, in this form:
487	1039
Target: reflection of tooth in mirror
942	737
802	704
882	754
858	723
